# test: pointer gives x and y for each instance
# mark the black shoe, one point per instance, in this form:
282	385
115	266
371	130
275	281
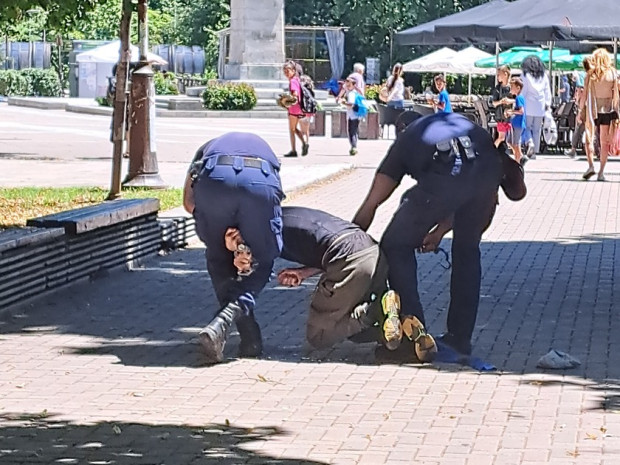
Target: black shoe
304	149
213	336
251	344
524	160
462	346
291	154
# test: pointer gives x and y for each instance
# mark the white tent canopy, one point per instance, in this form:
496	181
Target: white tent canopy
446	60
95	67
435	62
110	53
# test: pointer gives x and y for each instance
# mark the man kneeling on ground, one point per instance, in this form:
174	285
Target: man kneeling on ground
352	295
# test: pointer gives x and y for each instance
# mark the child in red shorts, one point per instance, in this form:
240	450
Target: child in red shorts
501	93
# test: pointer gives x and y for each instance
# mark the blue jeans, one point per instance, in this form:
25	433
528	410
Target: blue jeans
398	104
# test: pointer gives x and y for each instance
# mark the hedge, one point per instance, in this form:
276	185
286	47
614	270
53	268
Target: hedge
30	82
229	96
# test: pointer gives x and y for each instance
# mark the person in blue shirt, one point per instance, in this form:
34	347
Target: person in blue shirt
233	190
564	90
517	119
442	104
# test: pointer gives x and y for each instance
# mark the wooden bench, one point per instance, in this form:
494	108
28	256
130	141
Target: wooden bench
86	219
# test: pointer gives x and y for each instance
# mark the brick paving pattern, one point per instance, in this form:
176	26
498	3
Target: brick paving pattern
109	371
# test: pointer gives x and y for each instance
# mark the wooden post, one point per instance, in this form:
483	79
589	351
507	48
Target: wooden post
119	118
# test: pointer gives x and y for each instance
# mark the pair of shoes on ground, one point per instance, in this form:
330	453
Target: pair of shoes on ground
591	172
417	346
293	153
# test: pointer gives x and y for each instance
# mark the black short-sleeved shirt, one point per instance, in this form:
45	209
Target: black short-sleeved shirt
240	144
307	234
412	153
499	92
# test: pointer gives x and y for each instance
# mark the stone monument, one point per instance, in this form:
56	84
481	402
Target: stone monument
256	40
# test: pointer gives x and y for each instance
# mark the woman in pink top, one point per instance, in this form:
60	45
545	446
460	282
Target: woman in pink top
296	116
600	107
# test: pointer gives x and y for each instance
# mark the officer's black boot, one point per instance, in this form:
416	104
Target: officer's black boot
251	344
213	336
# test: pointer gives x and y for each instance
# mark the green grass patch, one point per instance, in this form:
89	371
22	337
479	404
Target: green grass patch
22	203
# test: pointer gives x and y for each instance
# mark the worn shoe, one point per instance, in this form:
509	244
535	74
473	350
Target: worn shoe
570	153
523	161
588	174
425	347
213	336
291	154
392	328
251	344
304	149
460	345
530	150
353	151
601	177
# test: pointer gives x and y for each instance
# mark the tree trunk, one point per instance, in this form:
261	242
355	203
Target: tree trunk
119	118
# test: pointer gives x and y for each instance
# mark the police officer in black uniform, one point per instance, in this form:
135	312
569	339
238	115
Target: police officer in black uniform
458	171
234	192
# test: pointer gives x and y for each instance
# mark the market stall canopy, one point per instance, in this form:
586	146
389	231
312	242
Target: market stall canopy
425	33
110	53
515	56
435	62
552	20
446	60
538	21
571	62
466	60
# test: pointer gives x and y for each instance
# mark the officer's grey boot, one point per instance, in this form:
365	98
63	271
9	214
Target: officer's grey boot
213	336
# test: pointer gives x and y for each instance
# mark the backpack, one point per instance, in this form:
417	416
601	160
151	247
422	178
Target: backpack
308	102
359	107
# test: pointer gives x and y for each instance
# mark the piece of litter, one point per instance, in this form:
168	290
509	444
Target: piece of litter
558	360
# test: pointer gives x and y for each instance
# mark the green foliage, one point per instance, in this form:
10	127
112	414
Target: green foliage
43	82
103	101
229	96
165	84
14	83
372	92
60	13
30	82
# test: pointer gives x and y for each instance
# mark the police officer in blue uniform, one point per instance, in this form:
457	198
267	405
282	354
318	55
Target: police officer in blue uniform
234	192
458	171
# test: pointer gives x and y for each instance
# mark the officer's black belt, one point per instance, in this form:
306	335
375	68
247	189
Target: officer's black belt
251	162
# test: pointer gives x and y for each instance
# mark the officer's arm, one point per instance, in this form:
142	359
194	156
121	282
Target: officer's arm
381	189
188	195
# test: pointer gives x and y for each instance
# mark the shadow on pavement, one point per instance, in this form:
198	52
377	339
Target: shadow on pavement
39	438
535	296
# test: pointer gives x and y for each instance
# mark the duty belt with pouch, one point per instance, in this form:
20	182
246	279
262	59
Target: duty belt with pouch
453	151
238	162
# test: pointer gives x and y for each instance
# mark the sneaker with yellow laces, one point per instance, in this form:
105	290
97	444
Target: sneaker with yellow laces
392	329
425	347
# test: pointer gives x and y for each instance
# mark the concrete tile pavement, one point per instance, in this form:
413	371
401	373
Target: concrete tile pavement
109	371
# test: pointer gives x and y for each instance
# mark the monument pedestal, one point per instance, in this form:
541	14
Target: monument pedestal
256	40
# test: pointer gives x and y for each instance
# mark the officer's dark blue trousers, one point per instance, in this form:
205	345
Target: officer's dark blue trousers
471	196
247	199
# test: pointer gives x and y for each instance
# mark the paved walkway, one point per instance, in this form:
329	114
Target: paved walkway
109	371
